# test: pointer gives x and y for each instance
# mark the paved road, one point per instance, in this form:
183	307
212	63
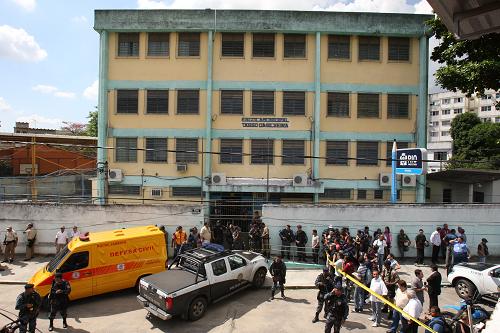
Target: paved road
250	311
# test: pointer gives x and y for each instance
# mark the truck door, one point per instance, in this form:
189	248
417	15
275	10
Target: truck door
239	272
220	281
76	270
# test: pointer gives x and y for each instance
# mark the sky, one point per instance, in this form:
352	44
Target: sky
49	51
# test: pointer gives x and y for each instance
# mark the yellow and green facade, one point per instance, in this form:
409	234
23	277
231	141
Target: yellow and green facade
327	101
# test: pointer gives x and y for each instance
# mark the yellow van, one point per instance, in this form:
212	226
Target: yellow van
105	261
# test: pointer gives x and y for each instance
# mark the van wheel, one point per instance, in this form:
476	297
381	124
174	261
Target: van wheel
259	277
197	308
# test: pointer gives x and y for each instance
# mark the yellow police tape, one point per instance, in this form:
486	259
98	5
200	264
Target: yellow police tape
394	306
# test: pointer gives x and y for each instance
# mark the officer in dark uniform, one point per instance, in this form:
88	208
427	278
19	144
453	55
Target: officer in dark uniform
59	299
278	272
324	283
28	304
337	308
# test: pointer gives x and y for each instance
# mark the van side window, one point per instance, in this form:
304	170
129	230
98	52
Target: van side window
219	267
75	262
236	262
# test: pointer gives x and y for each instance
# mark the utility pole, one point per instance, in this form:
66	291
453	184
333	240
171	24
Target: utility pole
33	169
394	189
267	160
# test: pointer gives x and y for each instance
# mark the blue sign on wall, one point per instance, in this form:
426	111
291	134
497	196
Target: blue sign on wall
411	161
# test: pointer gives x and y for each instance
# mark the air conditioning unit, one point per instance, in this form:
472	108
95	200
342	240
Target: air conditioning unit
182	167
156	192
219	179
409	181
115	175
385	179
300	179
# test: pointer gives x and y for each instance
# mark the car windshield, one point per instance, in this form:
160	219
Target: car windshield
478	266
52	265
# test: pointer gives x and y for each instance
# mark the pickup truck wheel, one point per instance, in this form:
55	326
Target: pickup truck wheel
197	308
465	289
259	278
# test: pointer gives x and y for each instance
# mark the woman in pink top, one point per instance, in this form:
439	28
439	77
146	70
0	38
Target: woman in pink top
388	240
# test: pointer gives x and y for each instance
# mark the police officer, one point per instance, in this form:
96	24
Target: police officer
59	299
278	272
337	308
324	283
28	304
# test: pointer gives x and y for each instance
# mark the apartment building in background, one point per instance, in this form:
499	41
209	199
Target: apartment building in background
258	106
445	106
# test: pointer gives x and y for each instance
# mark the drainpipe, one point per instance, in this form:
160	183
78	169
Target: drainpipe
102	122
317	110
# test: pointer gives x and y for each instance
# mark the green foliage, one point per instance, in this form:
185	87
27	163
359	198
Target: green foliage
91	129
470	66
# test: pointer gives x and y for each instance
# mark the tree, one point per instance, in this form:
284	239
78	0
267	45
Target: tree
92	124
470	66
74	128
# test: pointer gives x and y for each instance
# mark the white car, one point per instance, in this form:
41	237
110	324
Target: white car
467	278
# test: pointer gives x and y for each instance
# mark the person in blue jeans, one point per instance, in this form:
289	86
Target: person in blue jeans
400	300
437	323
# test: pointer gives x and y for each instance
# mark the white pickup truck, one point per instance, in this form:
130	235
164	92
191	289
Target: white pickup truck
204	276
469	278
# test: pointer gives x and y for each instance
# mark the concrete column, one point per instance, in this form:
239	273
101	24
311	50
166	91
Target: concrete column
421	134
102	122
317	109
208	123
471	193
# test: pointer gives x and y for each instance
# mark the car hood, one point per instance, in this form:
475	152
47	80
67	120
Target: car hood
477	266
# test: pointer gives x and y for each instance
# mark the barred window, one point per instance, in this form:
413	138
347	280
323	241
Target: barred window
188	101
231	101
338	104
337	152
263	45
378	194
157	101
361	194
368	105
294	103
388	155
293	152
127	101
231	151
186	150
262	151
339	47
128	44
397	106
184	191
399	48
158	44
233	45
295	46
336	193
367	153
263	102
189	44
369	48
126	150
156	149
124	190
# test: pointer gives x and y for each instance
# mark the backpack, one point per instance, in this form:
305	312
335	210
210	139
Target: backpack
446	327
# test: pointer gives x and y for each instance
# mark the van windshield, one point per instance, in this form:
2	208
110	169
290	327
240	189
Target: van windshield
52	265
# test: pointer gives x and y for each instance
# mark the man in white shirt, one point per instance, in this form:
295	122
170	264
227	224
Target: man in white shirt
414	309
339	264
378	286
315	246
400	300
75	233
381	244
436	244
61	239
205	234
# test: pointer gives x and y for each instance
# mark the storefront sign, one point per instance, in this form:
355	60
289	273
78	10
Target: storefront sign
411	161
264	122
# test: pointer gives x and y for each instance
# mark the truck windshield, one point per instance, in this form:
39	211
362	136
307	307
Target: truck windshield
52	265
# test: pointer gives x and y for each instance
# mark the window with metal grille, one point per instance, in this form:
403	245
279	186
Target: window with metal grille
294	46
337	152
338	104
231	151
378	194
367	153
231	101
157	101
179	191
263	45
293	152
294	103
339	47
128	44
188	101
233	45
127	101
158	44
397	106
124	190
186	150
262	151
368	106
336	193
156	149
441	155
126	150
189	44
399	48
263	102
361	194
388	155
369	48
